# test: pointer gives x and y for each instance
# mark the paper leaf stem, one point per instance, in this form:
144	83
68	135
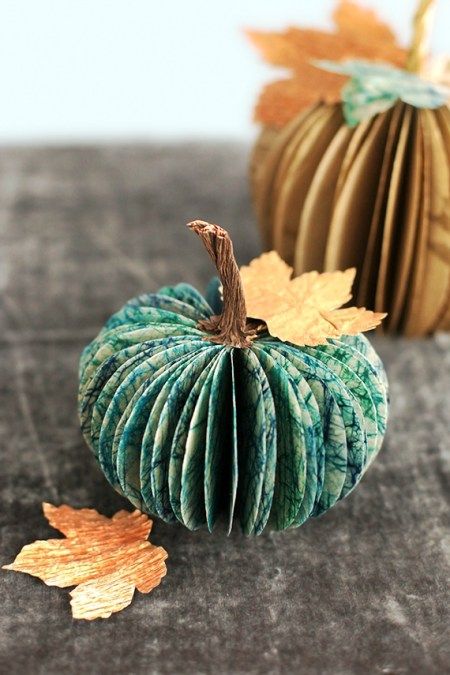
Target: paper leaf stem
106	558
304	310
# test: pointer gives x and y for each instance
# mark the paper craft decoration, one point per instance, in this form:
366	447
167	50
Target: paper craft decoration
358	34
105	558
364	181
305	310
199	414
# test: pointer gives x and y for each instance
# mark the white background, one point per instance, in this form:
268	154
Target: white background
83	70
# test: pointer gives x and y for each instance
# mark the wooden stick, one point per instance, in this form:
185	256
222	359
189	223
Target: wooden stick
422	26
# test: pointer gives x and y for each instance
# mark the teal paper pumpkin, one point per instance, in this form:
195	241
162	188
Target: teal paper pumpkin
194	428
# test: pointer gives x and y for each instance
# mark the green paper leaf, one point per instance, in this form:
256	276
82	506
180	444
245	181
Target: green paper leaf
375	87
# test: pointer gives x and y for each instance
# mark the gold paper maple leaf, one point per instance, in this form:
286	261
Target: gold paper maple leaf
106	558
358	34
304	310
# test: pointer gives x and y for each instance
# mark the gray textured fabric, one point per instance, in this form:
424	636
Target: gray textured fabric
363	589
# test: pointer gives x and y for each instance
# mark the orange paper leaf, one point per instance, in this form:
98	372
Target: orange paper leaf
361	24
278	102
106	558
358	34
304	310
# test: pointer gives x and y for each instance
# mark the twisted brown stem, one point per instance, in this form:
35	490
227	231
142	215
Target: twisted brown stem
230	327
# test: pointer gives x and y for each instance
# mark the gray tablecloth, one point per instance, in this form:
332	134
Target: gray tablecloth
362	589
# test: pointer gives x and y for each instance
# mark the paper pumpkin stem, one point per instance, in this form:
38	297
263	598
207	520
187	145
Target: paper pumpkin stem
230	327
422	25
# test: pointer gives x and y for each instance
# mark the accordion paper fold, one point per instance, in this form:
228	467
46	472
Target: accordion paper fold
375	197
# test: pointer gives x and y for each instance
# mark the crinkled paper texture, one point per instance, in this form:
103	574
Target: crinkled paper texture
304	310
105	558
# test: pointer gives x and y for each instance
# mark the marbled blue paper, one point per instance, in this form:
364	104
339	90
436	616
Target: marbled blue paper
196	432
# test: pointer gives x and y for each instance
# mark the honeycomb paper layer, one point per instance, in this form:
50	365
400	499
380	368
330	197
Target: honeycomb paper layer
197	432
375	197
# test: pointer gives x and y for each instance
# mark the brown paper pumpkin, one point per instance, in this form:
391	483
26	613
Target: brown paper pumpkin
376	197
